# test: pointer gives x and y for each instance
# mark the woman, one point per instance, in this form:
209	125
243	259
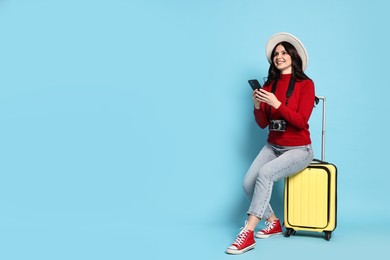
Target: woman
284	104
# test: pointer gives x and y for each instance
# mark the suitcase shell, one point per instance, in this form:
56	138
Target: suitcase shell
310	200
310	196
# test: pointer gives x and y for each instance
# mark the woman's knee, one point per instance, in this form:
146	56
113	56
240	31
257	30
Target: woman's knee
248	187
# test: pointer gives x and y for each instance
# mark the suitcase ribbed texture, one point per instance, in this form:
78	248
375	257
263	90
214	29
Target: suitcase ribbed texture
308	192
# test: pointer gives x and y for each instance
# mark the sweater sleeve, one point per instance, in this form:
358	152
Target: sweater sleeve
300	117
260	116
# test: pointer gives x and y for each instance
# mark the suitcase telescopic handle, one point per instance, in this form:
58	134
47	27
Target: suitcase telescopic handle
323	126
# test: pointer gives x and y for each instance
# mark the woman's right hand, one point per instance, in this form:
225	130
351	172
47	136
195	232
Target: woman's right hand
256	98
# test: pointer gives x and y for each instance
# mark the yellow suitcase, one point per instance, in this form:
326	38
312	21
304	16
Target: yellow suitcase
310	196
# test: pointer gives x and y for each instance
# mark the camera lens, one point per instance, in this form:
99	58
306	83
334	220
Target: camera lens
277	125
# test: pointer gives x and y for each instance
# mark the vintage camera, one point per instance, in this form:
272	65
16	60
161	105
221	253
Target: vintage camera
277	125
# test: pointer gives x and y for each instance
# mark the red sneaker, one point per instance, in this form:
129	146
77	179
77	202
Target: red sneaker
245	241
273	228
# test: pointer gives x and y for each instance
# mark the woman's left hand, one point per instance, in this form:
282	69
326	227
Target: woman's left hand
269	98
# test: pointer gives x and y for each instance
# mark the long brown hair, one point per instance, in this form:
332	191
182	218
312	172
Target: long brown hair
297	72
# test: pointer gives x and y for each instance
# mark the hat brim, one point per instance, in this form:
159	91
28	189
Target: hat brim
287	37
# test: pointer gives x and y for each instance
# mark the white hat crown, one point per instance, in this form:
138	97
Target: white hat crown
287	37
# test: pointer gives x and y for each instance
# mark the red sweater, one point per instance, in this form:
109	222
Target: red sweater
296	113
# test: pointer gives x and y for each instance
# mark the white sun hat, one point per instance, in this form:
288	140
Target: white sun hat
287	37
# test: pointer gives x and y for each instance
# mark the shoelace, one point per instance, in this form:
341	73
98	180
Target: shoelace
270	225
241	237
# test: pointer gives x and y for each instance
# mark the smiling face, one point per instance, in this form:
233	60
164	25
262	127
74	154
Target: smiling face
282	60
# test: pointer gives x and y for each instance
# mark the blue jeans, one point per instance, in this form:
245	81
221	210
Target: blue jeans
272	164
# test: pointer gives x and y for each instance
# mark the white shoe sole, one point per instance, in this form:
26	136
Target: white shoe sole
237	252
267	236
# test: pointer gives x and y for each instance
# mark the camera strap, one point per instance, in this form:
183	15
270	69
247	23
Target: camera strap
289	92
290	89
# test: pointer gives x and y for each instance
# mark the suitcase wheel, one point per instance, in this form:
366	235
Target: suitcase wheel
288	232
328	235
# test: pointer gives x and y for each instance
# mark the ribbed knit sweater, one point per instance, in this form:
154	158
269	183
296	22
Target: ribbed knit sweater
296	113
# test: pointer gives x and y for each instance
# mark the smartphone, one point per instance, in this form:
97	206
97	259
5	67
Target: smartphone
254	84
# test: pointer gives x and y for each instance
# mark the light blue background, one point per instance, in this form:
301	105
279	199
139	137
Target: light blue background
127	126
